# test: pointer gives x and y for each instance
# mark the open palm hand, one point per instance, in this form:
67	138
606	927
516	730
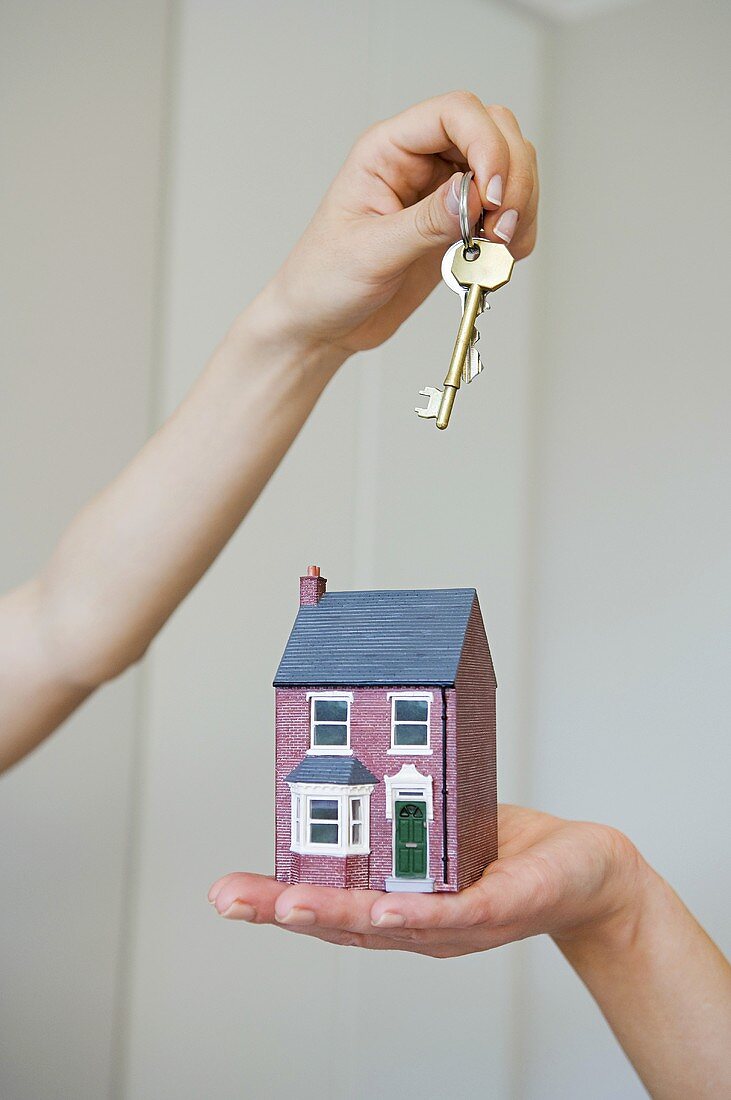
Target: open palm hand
552	876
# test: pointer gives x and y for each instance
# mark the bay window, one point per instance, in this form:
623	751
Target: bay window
329	819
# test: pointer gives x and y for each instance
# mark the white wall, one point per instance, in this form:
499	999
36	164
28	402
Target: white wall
580	489
632	539
268	101
80	116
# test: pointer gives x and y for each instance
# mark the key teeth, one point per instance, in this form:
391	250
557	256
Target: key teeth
434	397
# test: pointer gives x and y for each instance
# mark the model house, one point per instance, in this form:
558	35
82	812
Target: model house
385	740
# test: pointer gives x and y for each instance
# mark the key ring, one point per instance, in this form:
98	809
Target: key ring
464	216
464	213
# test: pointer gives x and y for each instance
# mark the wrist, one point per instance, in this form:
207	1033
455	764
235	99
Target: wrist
268	329
630	912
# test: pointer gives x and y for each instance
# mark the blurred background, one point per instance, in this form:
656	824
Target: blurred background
159	158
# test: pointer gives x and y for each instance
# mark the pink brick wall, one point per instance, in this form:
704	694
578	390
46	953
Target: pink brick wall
476	755
370	739
351	871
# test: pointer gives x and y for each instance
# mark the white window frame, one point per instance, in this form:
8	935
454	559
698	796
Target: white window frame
296	819
329	750
309	822
410	750
303	794
353	821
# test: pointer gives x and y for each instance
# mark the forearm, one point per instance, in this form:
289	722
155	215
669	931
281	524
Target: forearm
134	552
665	990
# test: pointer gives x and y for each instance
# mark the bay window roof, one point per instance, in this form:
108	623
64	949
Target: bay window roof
345	771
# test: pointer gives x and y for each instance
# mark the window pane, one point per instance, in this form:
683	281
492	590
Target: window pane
324	809
331	710
331	734
323	834
411	710
410	735
355	809
357	832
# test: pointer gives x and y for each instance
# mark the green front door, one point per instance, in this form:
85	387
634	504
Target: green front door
410	840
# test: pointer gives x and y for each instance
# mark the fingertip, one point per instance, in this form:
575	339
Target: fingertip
239	910
494	192
217	887
258	891
388	919
397	911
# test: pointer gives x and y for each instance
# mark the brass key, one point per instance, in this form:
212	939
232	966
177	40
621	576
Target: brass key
480	267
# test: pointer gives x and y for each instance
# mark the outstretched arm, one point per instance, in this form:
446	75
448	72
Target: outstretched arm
369	257
662	984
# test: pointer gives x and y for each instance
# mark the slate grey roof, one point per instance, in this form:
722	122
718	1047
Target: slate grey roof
346	770
392	637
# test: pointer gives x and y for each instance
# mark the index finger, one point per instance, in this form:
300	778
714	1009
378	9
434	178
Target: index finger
457	126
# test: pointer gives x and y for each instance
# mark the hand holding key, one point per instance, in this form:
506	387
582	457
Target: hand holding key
372	252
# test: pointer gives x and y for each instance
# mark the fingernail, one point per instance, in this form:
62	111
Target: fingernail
494	193
239	910
295	915
452	199
505	225
389	920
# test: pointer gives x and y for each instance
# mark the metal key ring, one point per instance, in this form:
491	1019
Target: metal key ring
464	217
464	212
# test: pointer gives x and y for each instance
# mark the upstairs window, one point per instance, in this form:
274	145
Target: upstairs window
330	723
410	724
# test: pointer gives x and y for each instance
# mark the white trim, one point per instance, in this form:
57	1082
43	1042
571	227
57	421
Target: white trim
330	750
410	750
302	796
330	695
296	822
409	783
315	788
395	885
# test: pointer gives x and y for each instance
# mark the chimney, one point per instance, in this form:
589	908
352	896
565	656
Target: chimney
312	587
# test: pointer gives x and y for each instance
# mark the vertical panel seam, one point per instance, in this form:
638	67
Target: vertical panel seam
126	948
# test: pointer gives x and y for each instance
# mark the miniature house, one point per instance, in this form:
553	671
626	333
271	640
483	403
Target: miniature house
385	740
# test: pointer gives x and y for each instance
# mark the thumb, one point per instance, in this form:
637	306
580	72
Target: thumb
431	223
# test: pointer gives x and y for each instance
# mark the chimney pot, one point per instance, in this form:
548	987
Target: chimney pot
312	587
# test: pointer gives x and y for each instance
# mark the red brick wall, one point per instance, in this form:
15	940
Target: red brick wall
370	738
475	750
